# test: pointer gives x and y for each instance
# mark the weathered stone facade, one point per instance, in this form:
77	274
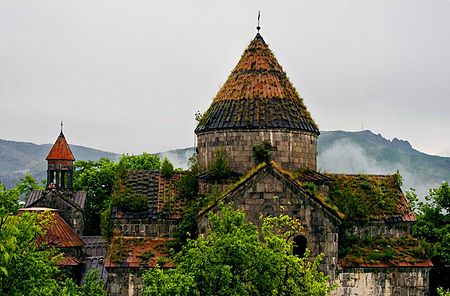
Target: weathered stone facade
293	150
124	281
65	202
380	228
268	192
399	281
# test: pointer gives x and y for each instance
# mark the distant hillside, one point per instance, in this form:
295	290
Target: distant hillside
365	152
18	158
339	151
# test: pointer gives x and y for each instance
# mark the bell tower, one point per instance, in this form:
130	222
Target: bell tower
60	165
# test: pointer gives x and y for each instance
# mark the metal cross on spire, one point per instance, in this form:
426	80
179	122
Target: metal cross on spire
61	126
258	27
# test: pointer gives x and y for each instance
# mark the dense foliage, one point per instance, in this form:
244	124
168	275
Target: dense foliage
97	179
26	266
233	260
363	197
433	228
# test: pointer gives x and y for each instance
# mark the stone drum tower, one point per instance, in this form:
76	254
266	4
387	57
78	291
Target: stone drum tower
258	104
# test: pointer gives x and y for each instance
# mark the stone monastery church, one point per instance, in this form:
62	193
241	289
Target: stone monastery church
361	223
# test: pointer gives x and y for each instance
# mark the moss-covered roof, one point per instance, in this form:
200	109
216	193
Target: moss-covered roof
160	193
404	251
369	197
138	252
321	199
257	95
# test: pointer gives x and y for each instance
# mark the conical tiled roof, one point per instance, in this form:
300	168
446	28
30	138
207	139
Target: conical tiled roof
257	95
60	150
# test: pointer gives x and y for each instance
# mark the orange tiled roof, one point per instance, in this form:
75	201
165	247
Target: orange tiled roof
57	232
60	150
257	94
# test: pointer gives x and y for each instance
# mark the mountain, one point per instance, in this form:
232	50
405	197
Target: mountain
366	152
338	151
18	158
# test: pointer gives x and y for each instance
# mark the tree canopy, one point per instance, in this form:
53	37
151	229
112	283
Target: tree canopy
235	258
97	179
433	228
26	266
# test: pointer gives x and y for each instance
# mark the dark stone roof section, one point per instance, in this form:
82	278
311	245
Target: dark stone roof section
257	95
95	246
33	197
158	189
250	114
77	199
313	176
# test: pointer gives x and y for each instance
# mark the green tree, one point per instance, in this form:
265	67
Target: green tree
96	178
261	153
233	260
144	161
433	228
166	168
219	167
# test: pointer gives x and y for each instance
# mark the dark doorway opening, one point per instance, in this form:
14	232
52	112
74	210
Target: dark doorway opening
299	245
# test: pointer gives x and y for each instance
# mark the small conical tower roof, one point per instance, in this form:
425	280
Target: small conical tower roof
60	150
257	95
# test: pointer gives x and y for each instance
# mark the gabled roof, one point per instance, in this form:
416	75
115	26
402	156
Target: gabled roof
57	233
60	150
276	170
78	199
370	197
257	95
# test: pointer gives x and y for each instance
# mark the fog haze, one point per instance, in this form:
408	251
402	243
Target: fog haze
128	76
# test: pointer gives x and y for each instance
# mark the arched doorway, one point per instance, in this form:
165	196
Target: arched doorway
299	246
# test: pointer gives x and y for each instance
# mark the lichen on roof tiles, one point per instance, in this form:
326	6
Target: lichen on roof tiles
257	94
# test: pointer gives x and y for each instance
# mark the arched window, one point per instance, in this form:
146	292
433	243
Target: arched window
299	245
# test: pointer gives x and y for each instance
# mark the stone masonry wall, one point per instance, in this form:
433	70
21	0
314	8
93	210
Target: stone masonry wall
266	194
381	228
293	150
73	216
124	282
383	282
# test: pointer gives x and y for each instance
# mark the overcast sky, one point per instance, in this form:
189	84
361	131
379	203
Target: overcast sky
128	76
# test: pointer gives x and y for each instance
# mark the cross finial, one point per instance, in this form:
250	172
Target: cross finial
258	27
61	126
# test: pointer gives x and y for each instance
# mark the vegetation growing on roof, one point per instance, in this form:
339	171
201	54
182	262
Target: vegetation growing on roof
261	152
219	167
355	251
363	197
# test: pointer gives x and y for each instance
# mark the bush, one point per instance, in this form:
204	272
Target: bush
131	202
261	153
166	168
219	167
